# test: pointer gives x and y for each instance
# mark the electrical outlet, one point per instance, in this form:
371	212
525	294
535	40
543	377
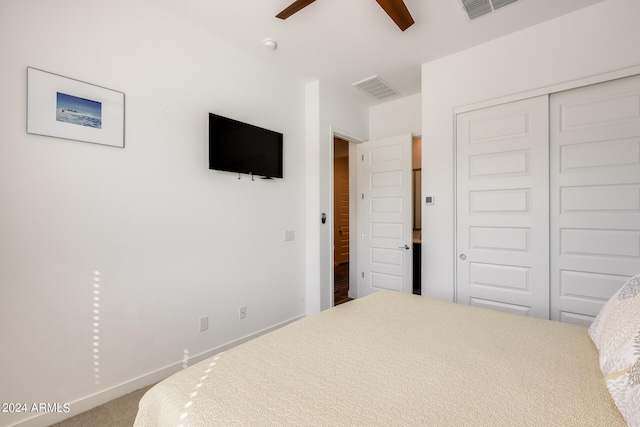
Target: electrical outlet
289	235
204	323
242	312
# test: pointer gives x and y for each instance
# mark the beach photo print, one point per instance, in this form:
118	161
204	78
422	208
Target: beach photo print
62	107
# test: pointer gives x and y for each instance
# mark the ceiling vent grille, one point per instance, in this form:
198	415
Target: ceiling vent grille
477	8
375	87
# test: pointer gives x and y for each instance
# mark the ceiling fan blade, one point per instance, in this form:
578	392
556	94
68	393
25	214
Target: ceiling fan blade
293	8
397	10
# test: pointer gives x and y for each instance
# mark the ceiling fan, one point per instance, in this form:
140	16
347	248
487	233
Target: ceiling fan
396	9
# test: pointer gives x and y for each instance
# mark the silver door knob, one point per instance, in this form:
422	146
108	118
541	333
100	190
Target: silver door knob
463	257
404	247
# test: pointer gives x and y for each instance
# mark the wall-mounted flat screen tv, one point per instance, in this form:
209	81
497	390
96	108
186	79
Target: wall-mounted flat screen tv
239	147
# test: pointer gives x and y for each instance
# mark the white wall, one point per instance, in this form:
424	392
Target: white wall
329	111
313	226
172	240
396	117
595	40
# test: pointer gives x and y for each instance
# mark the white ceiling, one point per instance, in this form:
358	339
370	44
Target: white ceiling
345	41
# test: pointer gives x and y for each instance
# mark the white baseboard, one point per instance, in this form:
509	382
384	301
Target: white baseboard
100	398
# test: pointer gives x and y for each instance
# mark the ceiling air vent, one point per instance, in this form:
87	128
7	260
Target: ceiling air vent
477	8
376	87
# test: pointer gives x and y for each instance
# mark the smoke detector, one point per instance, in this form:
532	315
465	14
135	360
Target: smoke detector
270	44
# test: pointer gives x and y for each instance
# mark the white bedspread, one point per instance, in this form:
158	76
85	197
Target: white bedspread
394	359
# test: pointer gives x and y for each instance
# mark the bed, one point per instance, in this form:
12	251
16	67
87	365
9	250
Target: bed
395	359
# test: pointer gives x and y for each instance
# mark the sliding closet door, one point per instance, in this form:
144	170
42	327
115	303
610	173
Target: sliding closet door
595	195
503	207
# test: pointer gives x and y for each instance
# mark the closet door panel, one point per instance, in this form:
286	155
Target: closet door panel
503	207
595	195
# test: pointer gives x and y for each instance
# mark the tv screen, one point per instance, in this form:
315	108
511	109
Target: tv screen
240	147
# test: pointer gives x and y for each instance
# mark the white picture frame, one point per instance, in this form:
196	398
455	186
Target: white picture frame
66	108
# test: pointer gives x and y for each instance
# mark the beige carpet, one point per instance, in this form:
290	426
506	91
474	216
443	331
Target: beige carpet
120	412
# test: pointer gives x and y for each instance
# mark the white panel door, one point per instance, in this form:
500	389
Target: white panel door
385	193
595	195
502	211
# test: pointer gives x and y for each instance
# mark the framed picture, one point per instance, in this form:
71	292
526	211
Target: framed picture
66	108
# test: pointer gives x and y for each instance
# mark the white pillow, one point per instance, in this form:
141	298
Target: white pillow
616	334
595	330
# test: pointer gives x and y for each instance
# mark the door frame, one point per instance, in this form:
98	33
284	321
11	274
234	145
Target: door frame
353	214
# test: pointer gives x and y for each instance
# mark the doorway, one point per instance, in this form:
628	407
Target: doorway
346	275
341	217
416	163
